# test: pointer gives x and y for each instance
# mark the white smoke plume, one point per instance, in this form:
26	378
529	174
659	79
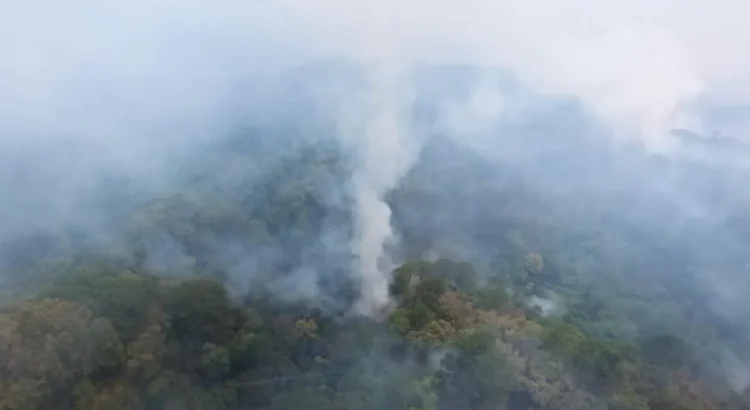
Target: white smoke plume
378	131
640	67
131	81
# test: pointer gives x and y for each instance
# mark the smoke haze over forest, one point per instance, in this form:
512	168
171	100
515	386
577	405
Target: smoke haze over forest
587	160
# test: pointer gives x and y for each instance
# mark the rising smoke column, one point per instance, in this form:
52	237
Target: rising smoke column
384	150
383	158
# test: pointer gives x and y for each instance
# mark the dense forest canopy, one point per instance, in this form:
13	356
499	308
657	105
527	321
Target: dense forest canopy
194	217
560	275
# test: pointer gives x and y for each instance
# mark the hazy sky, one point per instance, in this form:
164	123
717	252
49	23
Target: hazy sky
129	81
639	65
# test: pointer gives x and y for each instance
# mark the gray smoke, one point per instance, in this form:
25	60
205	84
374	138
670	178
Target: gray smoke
90	89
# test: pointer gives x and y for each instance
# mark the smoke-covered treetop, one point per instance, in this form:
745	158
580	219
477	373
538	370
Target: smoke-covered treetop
287	204
546	285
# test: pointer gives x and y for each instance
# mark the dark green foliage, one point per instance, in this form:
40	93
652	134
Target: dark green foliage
192	347
492	296
666	350
202	309
123	297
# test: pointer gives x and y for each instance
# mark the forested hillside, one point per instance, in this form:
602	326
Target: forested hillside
231	291
374	205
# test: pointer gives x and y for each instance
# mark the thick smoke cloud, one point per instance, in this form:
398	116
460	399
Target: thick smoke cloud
639	66
130	85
